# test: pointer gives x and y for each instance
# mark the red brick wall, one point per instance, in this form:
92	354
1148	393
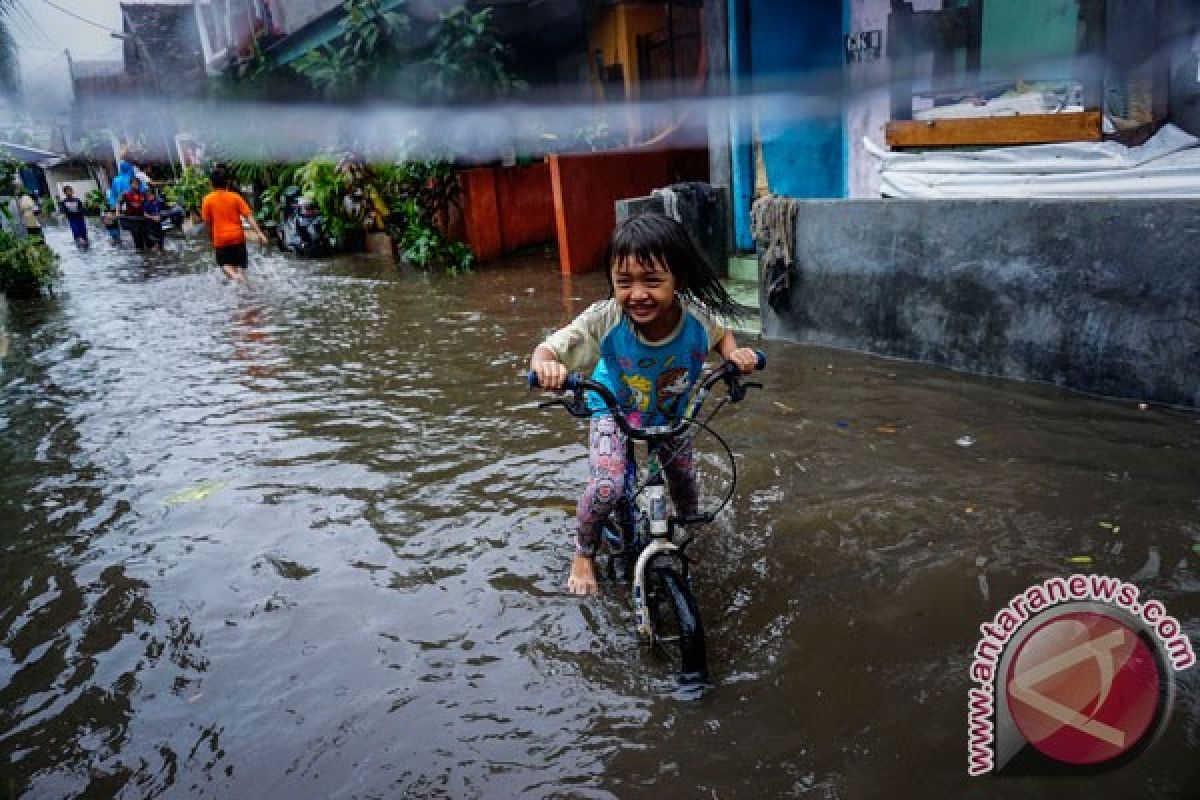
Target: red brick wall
587	186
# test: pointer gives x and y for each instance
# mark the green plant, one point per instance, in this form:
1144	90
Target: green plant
94	200
268	206
189	190
320	180
422	244
358	63
27	267
420	195
468	62
10	170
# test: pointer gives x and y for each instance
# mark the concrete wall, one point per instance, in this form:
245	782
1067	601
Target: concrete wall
701	208
1094	295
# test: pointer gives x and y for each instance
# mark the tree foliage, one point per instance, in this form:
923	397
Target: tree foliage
374	57
366	52
9	81
469	63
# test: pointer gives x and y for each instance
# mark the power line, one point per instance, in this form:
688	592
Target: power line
29	25
93	23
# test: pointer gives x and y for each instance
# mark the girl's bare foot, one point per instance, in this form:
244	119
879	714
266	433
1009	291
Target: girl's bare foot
583	576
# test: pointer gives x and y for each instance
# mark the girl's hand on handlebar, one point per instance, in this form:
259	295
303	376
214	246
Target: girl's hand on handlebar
745	358
551	374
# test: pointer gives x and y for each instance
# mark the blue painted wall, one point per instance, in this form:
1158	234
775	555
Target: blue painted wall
790	46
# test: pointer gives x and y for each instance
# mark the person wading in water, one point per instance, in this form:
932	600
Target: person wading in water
223	212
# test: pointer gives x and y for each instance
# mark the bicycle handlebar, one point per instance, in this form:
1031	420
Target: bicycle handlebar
578	383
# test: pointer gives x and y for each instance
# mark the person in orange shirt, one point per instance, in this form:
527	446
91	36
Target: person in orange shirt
223	212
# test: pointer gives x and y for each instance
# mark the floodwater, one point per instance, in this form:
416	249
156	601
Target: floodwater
307	537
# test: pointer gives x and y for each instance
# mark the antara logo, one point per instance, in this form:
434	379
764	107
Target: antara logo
1076	668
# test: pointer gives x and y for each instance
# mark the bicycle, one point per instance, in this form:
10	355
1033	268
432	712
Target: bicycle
641	538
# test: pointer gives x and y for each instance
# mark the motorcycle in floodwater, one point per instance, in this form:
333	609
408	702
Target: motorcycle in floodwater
301	228
172	217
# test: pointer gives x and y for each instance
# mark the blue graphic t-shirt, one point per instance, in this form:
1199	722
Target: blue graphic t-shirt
651	379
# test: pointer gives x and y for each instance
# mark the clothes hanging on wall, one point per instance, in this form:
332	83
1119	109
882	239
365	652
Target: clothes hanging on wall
773	224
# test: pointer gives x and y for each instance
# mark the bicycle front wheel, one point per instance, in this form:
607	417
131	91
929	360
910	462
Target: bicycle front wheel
678	631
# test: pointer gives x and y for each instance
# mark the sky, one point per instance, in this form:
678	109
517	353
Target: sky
43	33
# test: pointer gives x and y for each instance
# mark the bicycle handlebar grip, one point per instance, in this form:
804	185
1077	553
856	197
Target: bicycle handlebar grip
762	360
569	384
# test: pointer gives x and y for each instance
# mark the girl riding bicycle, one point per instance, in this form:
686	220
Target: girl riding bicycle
649	341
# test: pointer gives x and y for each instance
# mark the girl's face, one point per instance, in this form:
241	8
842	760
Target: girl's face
646	292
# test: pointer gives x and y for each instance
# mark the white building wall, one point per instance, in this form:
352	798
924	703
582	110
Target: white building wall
870	104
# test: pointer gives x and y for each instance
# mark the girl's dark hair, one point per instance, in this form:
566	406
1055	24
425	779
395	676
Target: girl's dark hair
219	178
647	238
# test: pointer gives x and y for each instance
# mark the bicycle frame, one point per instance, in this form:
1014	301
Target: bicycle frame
661	526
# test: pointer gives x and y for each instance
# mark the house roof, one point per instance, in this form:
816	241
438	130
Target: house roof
32	155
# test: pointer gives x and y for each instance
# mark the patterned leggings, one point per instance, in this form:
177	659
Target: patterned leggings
606	484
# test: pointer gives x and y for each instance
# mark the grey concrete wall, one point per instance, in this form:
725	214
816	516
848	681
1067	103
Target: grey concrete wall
1097	295
701	208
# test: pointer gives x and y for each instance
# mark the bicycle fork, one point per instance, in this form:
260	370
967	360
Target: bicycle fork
655	493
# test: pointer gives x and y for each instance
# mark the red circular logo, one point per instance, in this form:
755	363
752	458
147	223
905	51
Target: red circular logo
1083	688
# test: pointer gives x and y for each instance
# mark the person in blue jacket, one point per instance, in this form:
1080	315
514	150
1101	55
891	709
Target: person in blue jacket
120	185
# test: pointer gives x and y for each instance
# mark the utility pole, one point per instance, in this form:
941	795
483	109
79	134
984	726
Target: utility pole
151	67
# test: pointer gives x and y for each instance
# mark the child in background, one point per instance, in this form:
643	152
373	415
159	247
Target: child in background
152	219
649	342
72	207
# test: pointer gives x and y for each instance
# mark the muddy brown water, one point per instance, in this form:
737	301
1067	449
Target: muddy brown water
307	538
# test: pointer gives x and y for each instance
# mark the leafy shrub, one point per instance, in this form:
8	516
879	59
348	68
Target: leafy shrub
189	190
421	195
93	201
320	180
27	266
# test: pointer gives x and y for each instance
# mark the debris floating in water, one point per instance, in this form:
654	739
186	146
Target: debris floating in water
1143	406
965	440
1079	559
889	427
193	493
783	407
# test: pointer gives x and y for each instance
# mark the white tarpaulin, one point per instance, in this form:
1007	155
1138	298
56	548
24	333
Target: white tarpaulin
1167	165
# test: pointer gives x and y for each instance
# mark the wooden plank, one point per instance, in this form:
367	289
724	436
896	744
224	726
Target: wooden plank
1026	129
